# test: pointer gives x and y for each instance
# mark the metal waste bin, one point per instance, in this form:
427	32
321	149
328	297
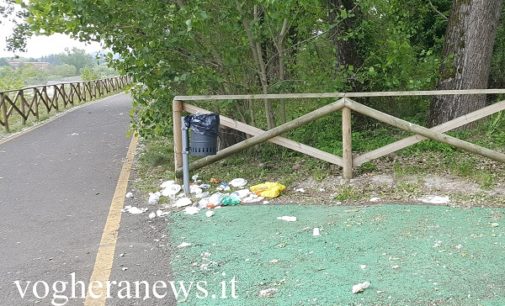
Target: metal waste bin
204	132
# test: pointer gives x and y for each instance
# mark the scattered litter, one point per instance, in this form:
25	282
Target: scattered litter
266	202
270	292
268	189
204	186
134	210
195	189
363	267
315	231
287	218
322	190
360	287
434	199
375	199
238	183
214	200
182	202
129	195
202	195
494	224
191	210
223	187
274	261
124	268
152	215
184	245
74	134
160	213
243	193
214	180
203	203
165	184
122	254
300	190
209	213
395	267
171	190
154	198
230	200
252	198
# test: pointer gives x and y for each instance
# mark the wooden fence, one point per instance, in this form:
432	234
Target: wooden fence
27	102
345	104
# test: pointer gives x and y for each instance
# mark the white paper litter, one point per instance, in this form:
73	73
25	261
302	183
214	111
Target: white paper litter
203	203
154	198
434	199
165	184
195	189
209	213
316	232
171	190
195	178
360	287
287	218
363	267
202	195
152	215
182	202
300	190
238	183
184	245
375	199
160	213
129	195
242	193
134	210
215	198
191	210
252	198
268	292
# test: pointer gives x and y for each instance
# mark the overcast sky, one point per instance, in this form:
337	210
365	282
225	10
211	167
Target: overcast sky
42	45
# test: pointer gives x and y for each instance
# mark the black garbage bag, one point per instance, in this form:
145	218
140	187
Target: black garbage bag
205	124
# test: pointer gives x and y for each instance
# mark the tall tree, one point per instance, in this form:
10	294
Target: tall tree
467	55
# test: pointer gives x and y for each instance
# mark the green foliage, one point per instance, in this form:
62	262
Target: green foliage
63	70
204	47
75	57
18	78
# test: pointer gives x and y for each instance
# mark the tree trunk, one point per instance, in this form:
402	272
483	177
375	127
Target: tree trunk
468	48
346	49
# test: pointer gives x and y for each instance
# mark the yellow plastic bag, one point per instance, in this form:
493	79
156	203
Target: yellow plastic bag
268	189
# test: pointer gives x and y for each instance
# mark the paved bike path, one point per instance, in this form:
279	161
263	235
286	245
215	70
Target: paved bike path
56	186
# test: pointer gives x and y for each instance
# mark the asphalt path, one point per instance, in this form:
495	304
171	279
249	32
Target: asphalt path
56	186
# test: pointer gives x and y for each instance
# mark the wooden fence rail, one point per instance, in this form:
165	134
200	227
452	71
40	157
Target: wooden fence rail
348	161
27	102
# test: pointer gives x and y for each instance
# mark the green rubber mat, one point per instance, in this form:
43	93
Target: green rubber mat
410	254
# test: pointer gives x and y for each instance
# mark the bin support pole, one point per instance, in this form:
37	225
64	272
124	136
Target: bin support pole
177	108
347	143
185	157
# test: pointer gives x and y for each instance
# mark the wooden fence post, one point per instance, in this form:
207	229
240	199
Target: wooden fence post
36	102
346	143
4	112
21	97
177	107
